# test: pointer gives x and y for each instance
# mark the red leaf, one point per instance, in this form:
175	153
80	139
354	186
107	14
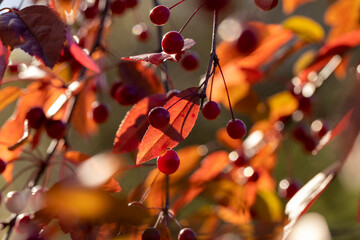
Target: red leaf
135	123
339	128
183	109
307	195
37	30
111	186
141	77
159	58
80	56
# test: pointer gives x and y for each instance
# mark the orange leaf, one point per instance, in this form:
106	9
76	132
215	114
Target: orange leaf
111	186
135	123
68	9
224	138
82	120
8	95
183	109
290	5
75	156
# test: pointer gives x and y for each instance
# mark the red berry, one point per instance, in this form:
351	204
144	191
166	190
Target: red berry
236	129
211	110
127	95
309	144
254	177
55	128
190	61
159	15
241	160
91	12
100	112
131	3
187	234
114	87
305	104
172	42
118	7
3	165
150	234
247	42
15	201
266	5
171	94
13	68
141	32
288	188
36	117
169	162
159	117
300	133
216	4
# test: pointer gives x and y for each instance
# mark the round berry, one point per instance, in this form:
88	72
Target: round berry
141	32
3	165
216	4
172	42
211	110
16	201
100	112
91	12
36	117
247	42
171	94
131	3
190	61
159	117
236	129
187	234
254	177
288	188
169	162
114	87
150	234
266	5
13	68
239	159
127	95
118	7
300	133
55	128
159	15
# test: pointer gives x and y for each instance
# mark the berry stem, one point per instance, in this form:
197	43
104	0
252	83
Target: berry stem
186	23
163	74
100	31
212	83
227	91
176	4
212	57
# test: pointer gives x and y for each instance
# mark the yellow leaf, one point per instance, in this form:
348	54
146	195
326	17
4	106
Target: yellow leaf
8	95
303	61
306	28
282	104
268	207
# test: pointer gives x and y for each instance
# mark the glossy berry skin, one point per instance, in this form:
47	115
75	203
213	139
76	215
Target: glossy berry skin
150	234
171	94
131	3
15	201
266	5
187	234
247	41
114	87
3	165
36	117
159	117
55	128
126	95
172	42
236	129
190	61
211	110
100	112
169	162
216	4
159	15
91	12
118	7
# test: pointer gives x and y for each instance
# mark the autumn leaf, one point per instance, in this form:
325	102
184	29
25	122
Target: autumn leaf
306	28
135	124
159	58
75	156
183	109
111	186
282	104
37	30
8	95
68	9
79	54
290	5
